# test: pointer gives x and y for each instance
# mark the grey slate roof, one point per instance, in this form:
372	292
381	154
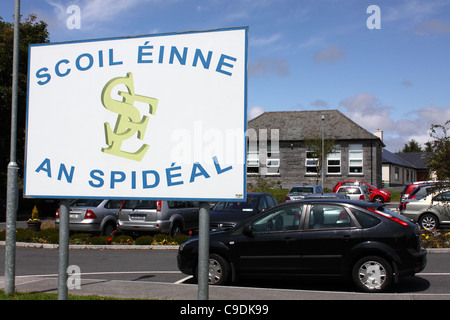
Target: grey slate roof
417	159
298	125
392	158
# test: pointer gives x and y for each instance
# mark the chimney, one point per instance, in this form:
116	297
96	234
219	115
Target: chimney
379	133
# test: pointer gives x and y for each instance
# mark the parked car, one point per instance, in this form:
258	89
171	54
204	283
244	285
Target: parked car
226	214
429	211
299	192
92	216
158	216
355	192
376	195
361	241
327	196
410	187
410	190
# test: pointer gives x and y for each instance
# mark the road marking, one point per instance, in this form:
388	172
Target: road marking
100	273
183	280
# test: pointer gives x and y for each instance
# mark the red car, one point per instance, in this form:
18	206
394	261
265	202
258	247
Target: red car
376	195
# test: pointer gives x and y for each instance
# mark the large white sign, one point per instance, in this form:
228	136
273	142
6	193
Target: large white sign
155	117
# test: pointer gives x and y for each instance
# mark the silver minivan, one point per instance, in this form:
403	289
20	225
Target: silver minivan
158	216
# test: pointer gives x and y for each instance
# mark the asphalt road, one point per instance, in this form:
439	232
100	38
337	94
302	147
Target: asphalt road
159	267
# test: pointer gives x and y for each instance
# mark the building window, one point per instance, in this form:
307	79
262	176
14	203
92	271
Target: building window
263	160
252	159
311	162
273	158
355	158
334	161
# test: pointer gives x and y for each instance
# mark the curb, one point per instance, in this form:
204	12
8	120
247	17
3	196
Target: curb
136	247
94	247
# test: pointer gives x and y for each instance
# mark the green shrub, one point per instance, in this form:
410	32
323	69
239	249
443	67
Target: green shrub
123	239
144	240
24	235
79	238
181	238
98	240
49	235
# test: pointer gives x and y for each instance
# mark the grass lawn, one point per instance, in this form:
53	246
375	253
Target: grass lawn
50	296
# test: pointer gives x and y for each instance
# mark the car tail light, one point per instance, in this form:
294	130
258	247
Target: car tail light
287	198
90	214
57	213
390	217
403	206
361	197
158	205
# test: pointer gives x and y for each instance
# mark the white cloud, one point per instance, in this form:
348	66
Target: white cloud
433	27
255	111
368	111
330	55
93	11
265	41
264	65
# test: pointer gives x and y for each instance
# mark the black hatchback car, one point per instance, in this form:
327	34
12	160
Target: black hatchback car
361	241
227	214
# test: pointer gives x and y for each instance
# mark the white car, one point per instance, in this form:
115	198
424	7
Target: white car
355	192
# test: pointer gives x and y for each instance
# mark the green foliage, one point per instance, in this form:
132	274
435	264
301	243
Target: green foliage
123	239
31	31
144	240
79	238
181	238
439	160
412	146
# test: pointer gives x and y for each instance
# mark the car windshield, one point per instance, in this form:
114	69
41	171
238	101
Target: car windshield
302	190
139	204
86	203
249	205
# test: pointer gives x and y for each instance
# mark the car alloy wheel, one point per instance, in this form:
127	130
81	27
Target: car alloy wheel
372	274
428	222
218	269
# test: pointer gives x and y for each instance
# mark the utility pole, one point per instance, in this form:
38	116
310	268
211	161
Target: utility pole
12	197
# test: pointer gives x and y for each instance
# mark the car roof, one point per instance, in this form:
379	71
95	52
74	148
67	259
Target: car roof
337	201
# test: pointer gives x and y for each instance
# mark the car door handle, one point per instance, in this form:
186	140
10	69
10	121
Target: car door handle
289	240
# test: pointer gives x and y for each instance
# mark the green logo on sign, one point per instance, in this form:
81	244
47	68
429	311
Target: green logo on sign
129	121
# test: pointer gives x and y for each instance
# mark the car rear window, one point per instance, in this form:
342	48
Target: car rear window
139	204
302	190
249	205
86	203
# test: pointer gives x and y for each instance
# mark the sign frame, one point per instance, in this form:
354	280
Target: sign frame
221	67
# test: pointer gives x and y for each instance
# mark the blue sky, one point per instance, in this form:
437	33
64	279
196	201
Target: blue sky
303	54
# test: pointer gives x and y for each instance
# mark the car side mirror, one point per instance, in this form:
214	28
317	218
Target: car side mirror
247	230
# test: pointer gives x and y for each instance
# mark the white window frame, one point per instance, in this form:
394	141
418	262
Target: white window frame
311	160
335	155
355	155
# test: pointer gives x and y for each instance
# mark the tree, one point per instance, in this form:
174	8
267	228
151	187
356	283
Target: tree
31	31
315	147
439	161
412	146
